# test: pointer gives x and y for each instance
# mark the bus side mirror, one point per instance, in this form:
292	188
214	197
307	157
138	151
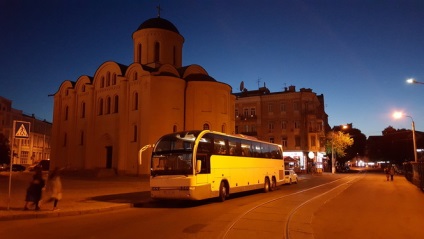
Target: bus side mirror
198	166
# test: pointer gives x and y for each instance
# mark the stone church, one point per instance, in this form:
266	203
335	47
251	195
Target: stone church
100	122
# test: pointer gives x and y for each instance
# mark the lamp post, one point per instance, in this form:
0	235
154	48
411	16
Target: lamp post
333	160
413	81
398	115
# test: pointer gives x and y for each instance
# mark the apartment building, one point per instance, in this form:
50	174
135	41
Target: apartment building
294	119
29	150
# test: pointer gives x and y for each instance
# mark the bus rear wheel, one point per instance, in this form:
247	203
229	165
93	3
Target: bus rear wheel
273	184
222	192
266	185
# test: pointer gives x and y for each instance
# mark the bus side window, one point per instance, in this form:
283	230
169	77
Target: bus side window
266	151
275	152
245	148
232	145
256	150
220	147
238	148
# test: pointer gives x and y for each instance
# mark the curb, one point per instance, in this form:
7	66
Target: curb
65	213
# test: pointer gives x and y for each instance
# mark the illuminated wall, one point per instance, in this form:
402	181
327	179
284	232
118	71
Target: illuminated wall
101	121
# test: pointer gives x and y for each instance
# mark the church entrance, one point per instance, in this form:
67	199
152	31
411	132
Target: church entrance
109	156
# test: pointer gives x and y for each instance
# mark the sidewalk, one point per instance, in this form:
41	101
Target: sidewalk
81	195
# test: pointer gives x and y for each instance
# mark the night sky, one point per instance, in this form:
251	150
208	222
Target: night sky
358	54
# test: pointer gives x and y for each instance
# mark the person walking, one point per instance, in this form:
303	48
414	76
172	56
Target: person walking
392	172
34	191
387	171
54	188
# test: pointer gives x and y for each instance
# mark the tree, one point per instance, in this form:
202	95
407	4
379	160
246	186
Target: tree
4	150
337	143
358	147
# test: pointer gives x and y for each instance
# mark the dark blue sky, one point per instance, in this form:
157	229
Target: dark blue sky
357	53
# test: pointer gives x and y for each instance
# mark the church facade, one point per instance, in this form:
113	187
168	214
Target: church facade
100	122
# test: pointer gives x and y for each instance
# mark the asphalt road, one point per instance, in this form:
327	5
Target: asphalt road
328	206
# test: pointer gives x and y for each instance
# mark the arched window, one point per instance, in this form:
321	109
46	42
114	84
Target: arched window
83	110
108	79
139	53
174	129
116	104
108	105
157	51
100	107
135	75
114	79
135	101
102	82
206	126
223	128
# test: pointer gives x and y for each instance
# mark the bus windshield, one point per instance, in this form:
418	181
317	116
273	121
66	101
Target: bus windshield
173	154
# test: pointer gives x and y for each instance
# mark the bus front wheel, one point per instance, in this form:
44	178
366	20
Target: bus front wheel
223	192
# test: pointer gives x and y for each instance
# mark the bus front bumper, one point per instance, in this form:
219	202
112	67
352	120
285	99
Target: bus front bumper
182	192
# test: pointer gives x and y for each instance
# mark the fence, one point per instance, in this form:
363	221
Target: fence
414	172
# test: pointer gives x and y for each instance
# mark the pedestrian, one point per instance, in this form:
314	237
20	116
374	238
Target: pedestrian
54	188
392	172
35	188
387	171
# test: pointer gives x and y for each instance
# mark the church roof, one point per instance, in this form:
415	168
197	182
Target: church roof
158	23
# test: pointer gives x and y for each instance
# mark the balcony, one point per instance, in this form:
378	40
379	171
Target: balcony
246	118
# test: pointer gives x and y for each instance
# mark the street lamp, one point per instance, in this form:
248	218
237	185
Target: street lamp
398	115
413	81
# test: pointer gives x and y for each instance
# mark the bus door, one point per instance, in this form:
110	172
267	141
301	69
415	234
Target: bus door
203	176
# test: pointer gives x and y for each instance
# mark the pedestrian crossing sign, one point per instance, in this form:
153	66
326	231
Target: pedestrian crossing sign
22	129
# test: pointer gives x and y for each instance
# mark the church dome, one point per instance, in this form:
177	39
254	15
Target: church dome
158	23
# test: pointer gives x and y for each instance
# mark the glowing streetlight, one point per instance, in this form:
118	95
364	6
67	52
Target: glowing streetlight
398	115
413	81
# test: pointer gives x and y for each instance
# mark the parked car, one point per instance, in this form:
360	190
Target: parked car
18	168
43	164
342	169
3	167
290	177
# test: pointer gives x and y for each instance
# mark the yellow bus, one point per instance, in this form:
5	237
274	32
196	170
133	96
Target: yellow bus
196	165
